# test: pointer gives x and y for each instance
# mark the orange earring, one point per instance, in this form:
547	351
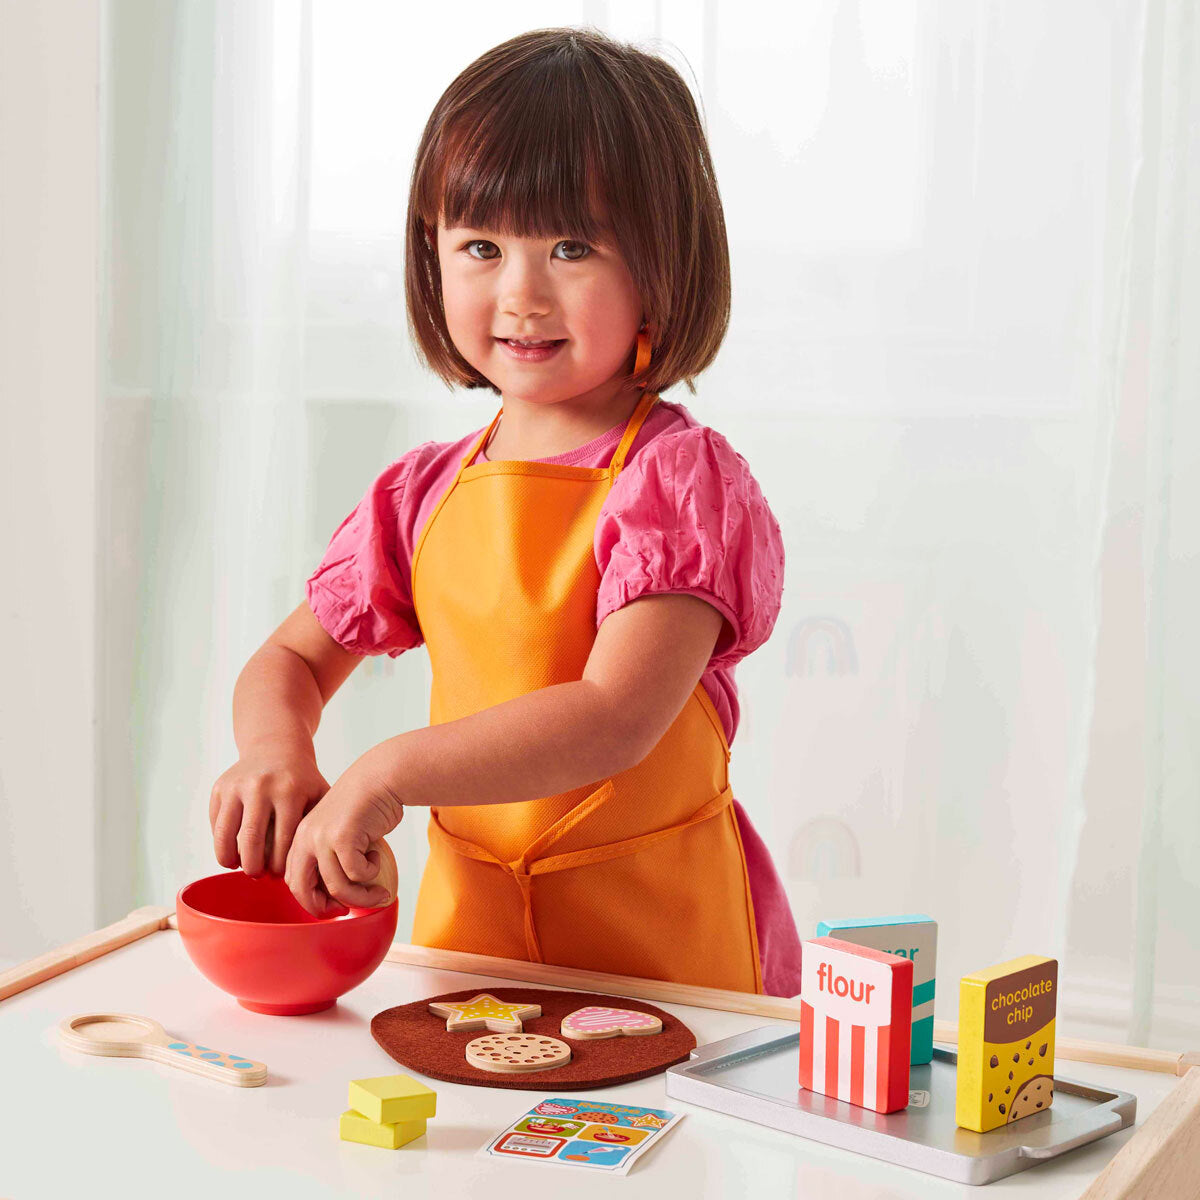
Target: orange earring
642	361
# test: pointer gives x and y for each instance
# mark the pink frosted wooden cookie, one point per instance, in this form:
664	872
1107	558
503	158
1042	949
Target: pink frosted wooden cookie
599	1022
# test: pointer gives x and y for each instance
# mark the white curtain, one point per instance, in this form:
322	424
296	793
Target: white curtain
962	364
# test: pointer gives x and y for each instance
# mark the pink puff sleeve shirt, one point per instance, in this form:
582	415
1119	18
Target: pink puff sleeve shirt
684	516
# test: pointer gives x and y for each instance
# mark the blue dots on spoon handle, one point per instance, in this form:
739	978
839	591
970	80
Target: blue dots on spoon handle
216	1057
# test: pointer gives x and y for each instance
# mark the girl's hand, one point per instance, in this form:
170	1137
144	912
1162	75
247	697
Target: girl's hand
256	806
338	856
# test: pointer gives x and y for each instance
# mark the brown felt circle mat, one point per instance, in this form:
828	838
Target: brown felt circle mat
415	1038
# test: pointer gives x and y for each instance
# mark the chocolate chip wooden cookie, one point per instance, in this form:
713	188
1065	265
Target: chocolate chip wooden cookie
517	1052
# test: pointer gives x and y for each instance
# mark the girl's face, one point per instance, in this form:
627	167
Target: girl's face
496	287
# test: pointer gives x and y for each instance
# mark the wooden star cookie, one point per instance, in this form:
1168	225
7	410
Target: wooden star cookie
484	1012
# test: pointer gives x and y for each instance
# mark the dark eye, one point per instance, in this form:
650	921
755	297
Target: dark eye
479	242
587	250
581	245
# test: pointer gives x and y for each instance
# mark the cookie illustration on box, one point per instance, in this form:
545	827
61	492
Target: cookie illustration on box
855	1022
1006	1042
912	936
484	1012
597	1021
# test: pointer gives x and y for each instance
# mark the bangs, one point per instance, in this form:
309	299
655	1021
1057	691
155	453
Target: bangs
532	165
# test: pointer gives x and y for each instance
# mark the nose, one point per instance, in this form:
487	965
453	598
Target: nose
524	288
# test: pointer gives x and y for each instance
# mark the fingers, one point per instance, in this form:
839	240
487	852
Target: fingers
366	869
252	837
343	889
254	818
225	831
287	819
304	881
359	867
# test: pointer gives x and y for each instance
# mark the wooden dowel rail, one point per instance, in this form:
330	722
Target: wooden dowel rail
138	924
1171	1062
143	921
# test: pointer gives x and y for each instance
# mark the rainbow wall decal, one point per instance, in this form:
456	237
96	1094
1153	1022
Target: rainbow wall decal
824	640
824	848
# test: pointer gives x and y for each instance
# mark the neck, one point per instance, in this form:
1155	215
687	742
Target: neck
528	430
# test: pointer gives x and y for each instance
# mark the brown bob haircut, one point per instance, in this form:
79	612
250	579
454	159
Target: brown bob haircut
566	133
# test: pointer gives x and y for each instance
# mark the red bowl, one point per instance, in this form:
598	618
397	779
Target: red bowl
252	938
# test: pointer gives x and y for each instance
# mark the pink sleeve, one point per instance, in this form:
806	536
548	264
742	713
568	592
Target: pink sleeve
360	592
687	516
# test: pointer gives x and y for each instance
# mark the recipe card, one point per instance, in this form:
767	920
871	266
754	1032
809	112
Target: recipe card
582	1133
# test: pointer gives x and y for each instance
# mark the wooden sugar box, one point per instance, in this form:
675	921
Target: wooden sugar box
855	1023
1006	1042
354	1127
386	1099
912	936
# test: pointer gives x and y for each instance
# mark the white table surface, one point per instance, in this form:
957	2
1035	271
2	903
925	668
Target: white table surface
74	1124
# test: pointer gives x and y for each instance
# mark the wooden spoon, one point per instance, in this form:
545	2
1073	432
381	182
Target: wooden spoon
124	1035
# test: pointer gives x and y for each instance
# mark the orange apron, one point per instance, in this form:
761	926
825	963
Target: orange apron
640	874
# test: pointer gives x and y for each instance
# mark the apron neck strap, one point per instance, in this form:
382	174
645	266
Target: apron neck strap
481	440
645	404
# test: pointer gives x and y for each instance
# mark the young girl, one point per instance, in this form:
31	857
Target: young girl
585	572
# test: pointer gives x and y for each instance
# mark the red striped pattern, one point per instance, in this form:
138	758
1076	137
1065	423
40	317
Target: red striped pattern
884	1057
821	1047
832	1025
806	1045
857	1054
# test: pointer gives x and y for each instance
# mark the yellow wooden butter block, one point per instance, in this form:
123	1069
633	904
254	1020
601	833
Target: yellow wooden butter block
388	1098
354	1127
1006	1042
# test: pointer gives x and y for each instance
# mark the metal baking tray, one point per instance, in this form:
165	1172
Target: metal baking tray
755	1076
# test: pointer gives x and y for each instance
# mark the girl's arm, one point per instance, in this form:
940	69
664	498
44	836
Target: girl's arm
256	805
644	664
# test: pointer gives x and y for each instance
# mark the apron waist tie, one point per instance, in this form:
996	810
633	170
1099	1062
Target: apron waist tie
523	869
